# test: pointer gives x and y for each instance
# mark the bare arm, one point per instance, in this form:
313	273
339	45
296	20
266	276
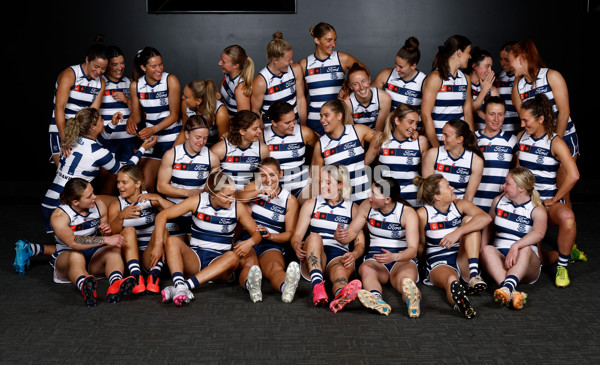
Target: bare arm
431	86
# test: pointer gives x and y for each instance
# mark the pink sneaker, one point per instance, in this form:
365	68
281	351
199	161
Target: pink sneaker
346	295
319	294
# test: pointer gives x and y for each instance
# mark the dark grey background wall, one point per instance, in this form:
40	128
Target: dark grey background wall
54	35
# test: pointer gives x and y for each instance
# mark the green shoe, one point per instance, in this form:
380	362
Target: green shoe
562	277
577	254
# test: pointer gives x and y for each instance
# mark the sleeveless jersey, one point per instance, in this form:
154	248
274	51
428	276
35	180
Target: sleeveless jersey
504	84
456	171
213	228
289	151
449	102
325	219
536	155
281	87
438	225
498	153
228	92
324	79
143	224
240	163
348	151
213	131
512	222
110	106
365	114
189	172
270	213
385	230
81	225
404	161
405	92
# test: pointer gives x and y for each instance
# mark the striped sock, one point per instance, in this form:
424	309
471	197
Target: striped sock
316	277
178	279
338	291
473	267
134	267
36	249
114	276
510	282
376	293
193	283
79	282
155	270
563	260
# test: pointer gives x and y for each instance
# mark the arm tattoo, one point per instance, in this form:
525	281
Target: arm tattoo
89	240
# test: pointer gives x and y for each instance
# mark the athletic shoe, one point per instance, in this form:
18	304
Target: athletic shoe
577	254
319	294
562	277
518	299
152	286
502	296
167	294
22	256
120	288
476	285
411	293
140	287
255	284
292	277
345	296
88	290
370	301
461	301
178	294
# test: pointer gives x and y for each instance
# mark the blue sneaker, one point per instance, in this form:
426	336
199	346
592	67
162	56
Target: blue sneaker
22	256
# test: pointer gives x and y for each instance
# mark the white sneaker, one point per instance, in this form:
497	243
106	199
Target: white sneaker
292	277
255	284
179	295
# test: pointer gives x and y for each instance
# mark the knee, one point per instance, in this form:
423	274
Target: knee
313	240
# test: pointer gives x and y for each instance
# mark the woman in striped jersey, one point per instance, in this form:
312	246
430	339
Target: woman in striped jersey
542	151
450	232
236	86
446	88
210	255
482	82
504	83
519	225
132	215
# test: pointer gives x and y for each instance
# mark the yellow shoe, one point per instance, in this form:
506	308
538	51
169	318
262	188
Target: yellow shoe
577	254
562	277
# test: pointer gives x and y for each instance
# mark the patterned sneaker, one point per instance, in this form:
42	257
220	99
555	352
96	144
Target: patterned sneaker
411	293
178	294
518	299
370	301
140	287
562	277
502	296
22	256
152	286
292	277
476	285
120	288
461	302
319	294
577	254
88	290
255	284
167	294
346	295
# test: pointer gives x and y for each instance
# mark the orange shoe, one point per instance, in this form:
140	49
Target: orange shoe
140	288
502	296
518	299
88	290
319	294
120	288
152	286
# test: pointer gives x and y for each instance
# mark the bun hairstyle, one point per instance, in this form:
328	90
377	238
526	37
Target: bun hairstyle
540	106
277	47
469	139
452	44
97	50
239	57
141	59
410	51
428	187
73	190
207	91
80	125
319	30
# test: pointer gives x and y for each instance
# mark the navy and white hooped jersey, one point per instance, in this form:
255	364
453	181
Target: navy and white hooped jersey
385	230
270	213
289	151
213	131
189	171
498	152
440	224
449	101
281	87
542	86
512	222
228	92
213	228
324	79
143	223
456	171
348	151
110	106
154	100
81	225
404	161
536	155
82	94
365	114
405	92
504	84
326	217
241	163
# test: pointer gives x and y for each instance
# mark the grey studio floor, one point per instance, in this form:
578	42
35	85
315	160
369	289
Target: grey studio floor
44	322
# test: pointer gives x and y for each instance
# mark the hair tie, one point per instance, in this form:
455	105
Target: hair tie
441	48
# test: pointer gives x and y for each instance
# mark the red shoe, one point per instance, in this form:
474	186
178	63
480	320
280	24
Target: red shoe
319	294
152	286
120	288
346	295
88	290
140	288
